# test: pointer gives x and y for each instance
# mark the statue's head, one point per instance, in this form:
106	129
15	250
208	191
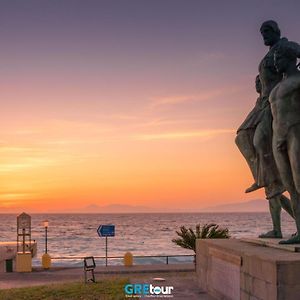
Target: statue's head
285	56
270	32
258	84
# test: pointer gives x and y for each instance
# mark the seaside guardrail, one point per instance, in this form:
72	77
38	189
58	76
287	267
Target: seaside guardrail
166	257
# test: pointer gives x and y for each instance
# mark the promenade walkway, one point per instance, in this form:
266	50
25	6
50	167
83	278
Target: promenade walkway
182	277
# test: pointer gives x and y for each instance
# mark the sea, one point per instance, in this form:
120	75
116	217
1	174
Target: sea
73	236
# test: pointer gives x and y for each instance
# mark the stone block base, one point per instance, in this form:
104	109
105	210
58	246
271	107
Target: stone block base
232	269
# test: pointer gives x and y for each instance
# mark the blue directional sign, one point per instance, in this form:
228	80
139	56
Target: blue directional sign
106	230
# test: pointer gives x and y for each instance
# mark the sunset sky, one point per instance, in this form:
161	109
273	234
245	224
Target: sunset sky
131	102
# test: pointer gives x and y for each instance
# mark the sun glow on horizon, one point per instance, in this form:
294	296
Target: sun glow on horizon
60	168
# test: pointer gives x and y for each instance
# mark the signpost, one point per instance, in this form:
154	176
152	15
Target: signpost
106	231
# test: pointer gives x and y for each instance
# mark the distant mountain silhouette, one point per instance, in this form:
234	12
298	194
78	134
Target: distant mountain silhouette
115	208
247	206
258	205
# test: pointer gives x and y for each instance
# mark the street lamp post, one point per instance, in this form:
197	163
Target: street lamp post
46	224
46	258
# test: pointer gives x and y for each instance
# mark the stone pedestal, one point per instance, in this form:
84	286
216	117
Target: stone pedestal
232	269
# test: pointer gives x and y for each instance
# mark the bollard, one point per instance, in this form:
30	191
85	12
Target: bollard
46	261
128	259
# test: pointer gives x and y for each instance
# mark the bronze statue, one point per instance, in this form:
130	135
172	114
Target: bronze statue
285	106
254	136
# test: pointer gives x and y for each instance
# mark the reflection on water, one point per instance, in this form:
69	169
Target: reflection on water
141	234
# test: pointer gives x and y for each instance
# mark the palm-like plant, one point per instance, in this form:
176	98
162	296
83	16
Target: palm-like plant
187	237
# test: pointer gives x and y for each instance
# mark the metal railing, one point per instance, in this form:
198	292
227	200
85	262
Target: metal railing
121	257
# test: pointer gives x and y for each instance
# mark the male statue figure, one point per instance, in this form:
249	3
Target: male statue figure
254	136
285	106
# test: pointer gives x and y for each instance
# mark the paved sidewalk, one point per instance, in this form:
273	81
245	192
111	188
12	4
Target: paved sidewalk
145	269
40	276
182	277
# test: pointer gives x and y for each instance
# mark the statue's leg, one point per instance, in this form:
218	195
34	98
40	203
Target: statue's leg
286	205
275	211
275	205
294	154
293	151
295	199
244	141
284	161
267	174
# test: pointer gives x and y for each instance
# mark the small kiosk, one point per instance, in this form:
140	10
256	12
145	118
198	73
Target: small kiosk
24	253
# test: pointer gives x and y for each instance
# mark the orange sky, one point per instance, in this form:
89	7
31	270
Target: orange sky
135	159
132	104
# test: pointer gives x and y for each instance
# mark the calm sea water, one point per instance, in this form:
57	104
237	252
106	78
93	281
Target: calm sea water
141	234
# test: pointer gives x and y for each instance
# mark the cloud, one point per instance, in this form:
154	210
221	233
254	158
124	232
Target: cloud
125	117
26	132
18	149
10	200
184	135
14	196
201	96
56	127
170	100
27	163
